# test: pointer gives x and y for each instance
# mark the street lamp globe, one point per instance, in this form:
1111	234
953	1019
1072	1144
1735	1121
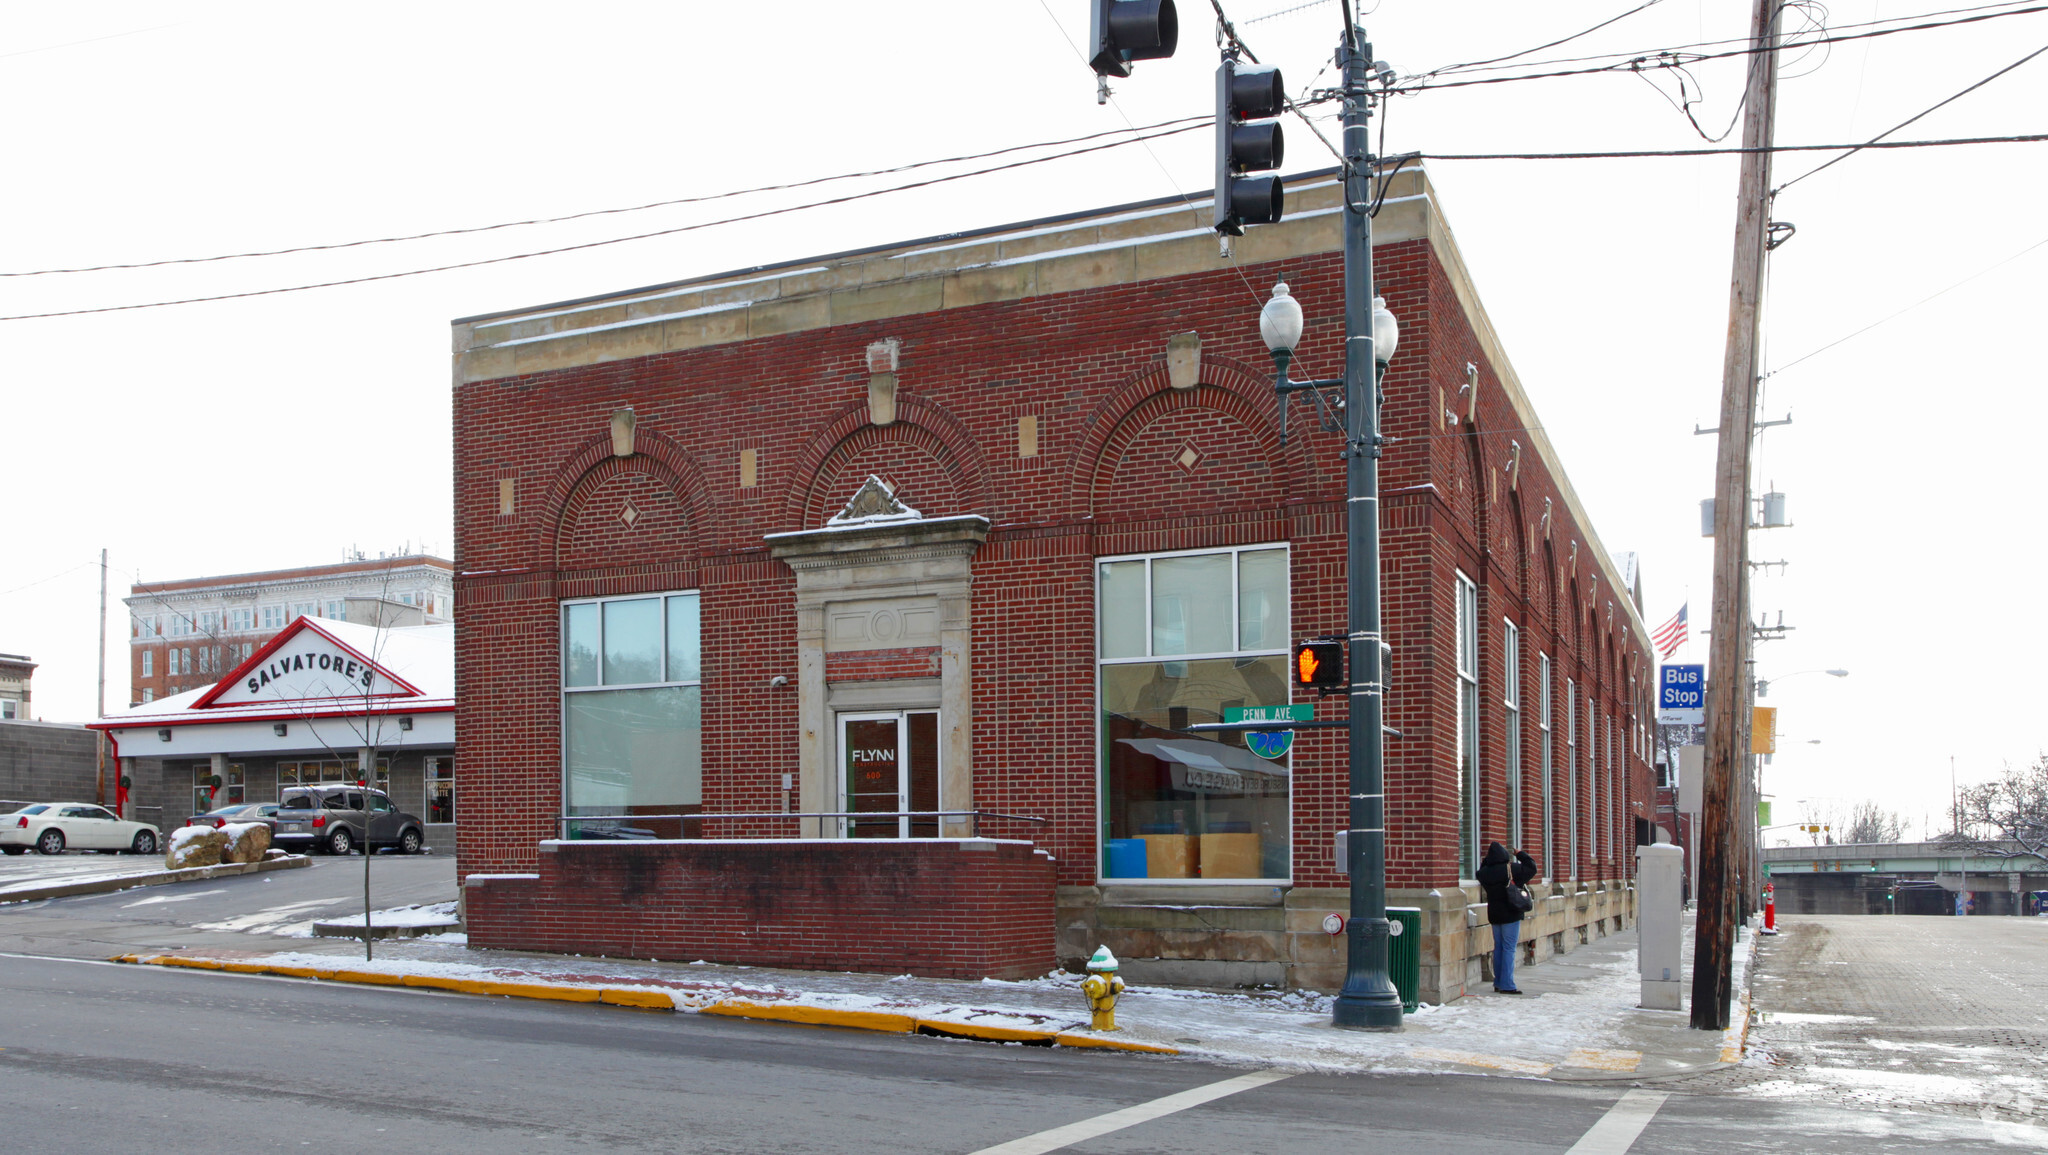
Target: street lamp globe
1385	332
1280	320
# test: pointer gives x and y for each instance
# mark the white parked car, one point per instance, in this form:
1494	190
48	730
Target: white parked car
54	827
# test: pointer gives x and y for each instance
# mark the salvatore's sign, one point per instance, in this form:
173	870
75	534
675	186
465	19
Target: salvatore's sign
282	665
305	664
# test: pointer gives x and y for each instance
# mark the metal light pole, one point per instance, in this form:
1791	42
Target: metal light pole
1369	999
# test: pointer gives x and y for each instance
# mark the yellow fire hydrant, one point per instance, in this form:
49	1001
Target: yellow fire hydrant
1102	986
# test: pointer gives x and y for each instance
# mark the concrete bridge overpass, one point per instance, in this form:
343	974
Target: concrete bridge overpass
1904	878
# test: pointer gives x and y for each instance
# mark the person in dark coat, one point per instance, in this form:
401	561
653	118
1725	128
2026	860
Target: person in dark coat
1497	872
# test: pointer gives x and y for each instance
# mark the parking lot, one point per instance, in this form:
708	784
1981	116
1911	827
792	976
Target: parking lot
270	911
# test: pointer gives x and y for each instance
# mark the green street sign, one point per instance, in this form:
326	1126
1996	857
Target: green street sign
1299	712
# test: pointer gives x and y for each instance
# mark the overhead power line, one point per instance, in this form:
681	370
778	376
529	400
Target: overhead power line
811	182
1200	122
1916	116
1632	154
1909	308
1790	43
1666	58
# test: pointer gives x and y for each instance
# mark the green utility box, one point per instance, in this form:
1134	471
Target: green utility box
1404	954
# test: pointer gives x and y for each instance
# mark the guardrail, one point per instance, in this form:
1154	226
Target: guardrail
625	832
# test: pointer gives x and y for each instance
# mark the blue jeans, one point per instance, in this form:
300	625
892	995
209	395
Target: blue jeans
1505	938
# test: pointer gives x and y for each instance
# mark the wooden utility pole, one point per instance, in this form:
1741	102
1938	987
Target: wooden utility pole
1727	753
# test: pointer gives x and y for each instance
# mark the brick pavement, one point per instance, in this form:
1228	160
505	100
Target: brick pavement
1919	1013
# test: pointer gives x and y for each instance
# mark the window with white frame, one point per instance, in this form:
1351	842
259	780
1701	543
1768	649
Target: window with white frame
149	663
1511	749
180	626
242	619
1591	750
632	707
1571	777
303	610
1180	639
10	709
1544	731
273	617
1614	842
145	625
1468	727
337	609
206	659
209	622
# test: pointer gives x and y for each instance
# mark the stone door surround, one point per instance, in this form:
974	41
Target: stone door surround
882	588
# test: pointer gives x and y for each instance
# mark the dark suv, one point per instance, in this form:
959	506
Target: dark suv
338	819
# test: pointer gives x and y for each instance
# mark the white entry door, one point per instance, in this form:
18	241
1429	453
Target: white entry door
889	767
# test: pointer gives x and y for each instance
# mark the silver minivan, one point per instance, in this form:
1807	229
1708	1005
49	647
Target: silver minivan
338	819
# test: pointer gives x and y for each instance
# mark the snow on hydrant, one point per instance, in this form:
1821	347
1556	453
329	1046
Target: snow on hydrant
1102	986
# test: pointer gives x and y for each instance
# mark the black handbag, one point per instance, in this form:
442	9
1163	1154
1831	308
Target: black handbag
1518	897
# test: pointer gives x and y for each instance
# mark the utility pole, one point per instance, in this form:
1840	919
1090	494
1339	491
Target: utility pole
100	779
1727	775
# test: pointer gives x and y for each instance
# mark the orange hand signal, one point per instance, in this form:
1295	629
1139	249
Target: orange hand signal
1308	664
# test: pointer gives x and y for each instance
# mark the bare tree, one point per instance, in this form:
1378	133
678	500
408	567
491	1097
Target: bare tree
1869	822
2006	817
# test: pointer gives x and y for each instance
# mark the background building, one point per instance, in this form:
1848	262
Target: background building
188	632
316	704
16	671
985	522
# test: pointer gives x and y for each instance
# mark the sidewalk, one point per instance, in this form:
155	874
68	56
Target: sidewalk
1577	1021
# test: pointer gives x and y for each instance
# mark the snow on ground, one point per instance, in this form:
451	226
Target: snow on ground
1585	1020
418	914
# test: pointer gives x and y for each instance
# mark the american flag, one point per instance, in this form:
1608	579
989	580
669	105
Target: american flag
1671	634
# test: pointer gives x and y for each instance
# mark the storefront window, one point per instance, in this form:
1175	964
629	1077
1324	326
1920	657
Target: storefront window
329	772
440	780
631	726
1182	638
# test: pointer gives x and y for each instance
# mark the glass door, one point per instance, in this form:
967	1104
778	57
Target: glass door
890	766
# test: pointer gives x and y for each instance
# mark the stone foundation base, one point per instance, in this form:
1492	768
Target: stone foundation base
1272	936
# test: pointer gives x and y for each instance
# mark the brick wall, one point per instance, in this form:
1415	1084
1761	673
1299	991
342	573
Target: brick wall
964	909
1089	366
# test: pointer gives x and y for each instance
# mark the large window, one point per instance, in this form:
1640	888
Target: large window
1468	727
1571	777
1181	639
632	726
439	776
1543	728
1511	751
149	663
242	619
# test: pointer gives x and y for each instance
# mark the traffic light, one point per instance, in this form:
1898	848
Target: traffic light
1121	31
1319	664
1248	139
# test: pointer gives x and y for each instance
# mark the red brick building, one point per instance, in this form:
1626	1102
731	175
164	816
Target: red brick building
185	633
679	592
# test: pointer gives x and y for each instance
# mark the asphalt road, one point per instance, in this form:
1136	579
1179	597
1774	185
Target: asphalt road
100	1057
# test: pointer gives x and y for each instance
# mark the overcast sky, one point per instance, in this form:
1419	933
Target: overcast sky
282	430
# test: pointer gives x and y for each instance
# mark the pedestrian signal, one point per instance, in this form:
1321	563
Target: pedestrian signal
1319	664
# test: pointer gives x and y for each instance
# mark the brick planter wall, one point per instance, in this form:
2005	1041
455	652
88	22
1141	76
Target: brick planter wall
956	908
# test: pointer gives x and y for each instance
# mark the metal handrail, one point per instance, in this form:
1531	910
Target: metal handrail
975	817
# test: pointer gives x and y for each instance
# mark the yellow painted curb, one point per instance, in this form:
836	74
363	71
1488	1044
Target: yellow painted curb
880	1021
540	991
1070	1039
372	978
1736	1037
991	1034
813	1016
637	997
